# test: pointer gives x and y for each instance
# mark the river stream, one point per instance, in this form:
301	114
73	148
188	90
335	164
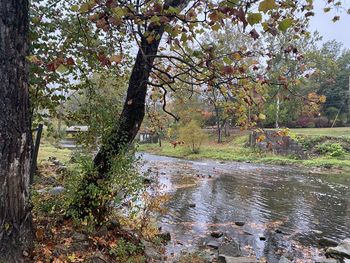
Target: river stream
283	209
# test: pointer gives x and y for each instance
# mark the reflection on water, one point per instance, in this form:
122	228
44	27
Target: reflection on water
290	208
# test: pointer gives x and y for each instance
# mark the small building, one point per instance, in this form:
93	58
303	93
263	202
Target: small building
145	135
76	129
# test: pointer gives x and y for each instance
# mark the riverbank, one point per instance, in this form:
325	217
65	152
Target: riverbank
235	150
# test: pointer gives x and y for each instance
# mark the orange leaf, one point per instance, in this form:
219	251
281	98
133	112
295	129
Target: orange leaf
40	233
116	58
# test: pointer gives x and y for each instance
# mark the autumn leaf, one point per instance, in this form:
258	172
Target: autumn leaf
61	68
68	241
285	24
33	59
236	56
254	18
322	99
57	260
228	70
267	5
254	34
52	66
262	116
214	16
40	233
261	138
70	61
116	58
47	252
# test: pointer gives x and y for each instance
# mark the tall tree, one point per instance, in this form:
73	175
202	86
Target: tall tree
15	131
170	49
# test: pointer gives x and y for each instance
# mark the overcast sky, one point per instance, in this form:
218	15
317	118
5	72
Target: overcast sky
322	22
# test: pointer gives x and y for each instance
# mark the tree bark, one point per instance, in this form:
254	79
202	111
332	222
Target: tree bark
134	107
129	122
15	132
133	112
218	126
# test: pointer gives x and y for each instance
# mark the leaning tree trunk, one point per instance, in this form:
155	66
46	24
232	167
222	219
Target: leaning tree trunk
128	124
15	133
134	107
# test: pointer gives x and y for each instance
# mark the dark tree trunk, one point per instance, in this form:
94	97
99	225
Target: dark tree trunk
130	120
15	133
134	107
218	126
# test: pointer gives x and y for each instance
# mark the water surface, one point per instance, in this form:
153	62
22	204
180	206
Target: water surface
288	207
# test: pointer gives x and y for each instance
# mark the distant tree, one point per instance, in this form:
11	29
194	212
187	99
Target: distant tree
15	132
192	135
330	75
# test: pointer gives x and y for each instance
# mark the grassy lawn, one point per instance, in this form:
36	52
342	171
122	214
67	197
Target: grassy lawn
334	132
234	150
47	150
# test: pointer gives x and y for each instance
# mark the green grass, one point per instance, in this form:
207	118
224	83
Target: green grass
333	132
47	150
235	150
223	152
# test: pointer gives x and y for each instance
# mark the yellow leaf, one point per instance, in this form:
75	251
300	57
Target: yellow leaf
261	138
236	56
322	99
116	58
262	116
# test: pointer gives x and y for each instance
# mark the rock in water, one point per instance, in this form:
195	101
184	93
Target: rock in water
151	251
231	249
327	260
283	259
327	242
240	260
165	236
216	234
213	244
341	251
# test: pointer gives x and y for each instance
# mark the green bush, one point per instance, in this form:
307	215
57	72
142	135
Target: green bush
125	249
308	142
192	135
331	149
92	199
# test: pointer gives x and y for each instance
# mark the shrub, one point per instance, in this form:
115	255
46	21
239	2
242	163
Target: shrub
92	201
124	250
192	135
303	121
331	149
308	142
